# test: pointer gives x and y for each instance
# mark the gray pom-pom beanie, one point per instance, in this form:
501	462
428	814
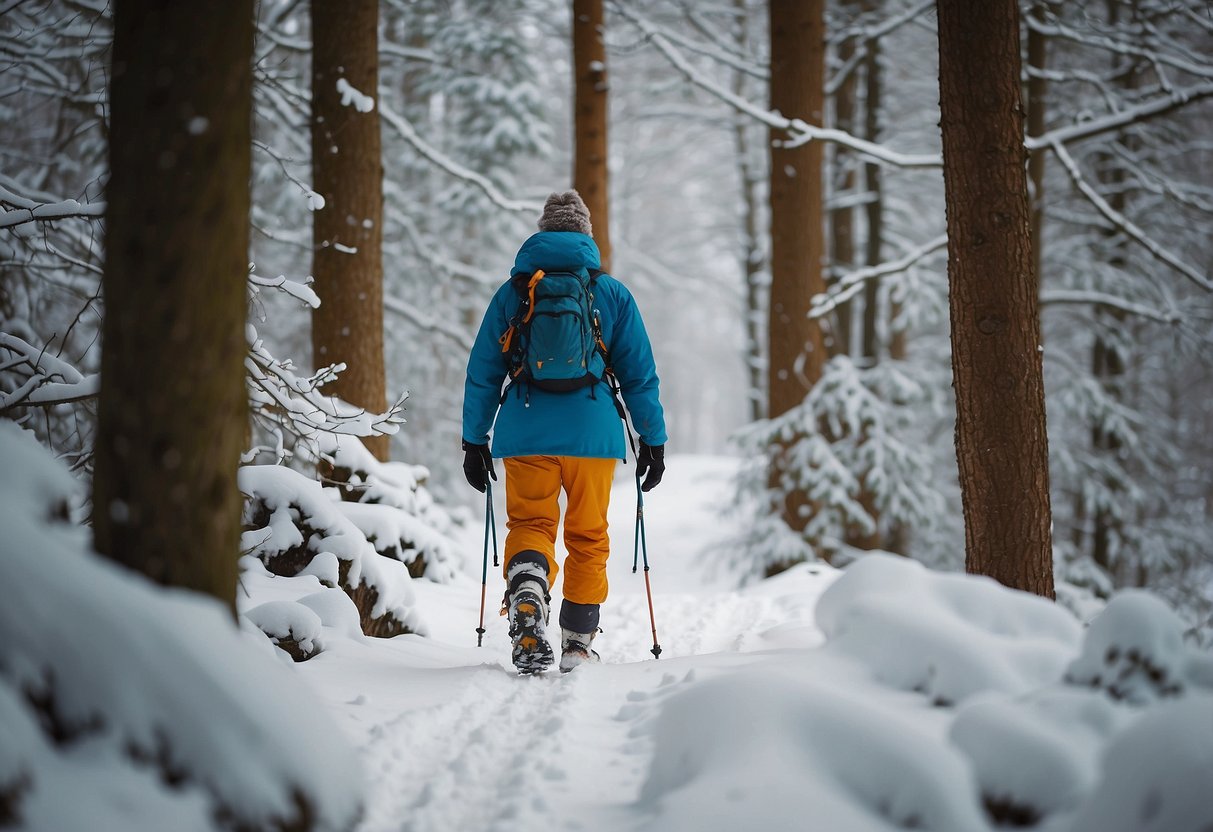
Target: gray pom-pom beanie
566	212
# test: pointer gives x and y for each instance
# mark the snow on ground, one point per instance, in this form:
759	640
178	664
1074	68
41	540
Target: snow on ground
883	697
905	699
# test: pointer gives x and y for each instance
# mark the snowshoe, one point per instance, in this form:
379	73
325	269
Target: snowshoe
575	650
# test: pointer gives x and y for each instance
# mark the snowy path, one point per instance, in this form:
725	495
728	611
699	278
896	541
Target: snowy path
452	739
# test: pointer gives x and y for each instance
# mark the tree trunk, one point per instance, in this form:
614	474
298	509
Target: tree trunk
590	120
797	352
1107	355
842	224
173	404
1037	90
874	214
1001	444
752	256
347	328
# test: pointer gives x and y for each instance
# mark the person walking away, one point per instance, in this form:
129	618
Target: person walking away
557	340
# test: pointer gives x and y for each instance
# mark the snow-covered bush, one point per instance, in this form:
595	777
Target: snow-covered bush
390	503
124	705
1134	651
293	527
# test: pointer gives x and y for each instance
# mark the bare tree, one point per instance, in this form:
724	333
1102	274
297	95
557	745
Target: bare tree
172	405
590	120
347	327
1001	444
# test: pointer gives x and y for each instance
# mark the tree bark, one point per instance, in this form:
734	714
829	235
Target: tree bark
347	232
842	217
1001	444
173	404
1037	90
797	352
590	89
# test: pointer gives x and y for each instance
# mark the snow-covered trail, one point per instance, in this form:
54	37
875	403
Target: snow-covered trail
452	739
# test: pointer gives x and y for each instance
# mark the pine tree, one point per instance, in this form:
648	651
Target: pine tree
172	412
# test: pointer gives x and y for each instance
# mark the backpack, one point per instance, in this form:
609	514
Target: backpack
554	341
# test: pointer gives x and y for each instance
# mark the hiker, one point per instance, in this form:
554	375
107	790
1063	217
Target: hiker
571	341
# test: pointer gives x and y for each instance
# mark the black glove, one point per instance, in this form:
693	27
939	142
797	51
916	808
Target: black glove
477	462
651	459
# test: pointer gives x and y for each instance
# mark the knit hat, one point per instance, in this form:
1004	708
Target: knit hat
566	212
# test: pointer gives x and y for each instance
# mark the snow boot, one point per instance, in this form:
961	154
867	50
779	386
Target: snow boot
575	649
526	604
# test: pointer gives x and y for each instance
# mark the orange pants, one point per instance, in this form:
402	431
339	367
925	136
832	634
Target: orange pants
532	489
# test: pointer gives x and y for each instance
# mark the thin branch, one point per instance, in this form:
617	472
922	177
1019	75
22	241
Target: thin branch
798	131
1115	121
407	132
1124	224
1052	297
850	284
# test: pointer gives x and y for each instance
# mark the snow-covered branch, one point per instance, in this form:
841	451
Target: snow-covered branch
849	284
1124	223
314	200
1059	31
407	132
1086	297
25	210
1115	121
42	379
798	131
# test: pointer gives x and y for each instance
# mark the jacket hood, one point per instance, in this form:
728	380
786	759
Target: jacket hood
555	250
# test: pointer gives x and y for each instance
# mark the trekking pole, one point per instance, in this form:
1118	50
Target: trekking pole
642	546
490	526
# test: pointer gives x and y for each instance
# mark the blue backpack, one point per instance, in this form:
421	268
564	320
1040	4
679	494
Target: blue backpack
554	341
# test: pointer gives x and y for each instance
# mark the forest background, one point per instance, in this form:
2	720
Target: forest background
476	125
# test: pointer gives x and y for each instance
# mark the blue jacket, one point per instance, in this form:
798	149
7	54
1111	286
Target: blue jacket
581	423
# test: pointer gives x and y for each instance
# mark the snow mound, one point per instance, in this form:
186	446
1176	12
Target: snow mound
781	749
947	636
1157	775
1134	651
1036	756
144	707
290	524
